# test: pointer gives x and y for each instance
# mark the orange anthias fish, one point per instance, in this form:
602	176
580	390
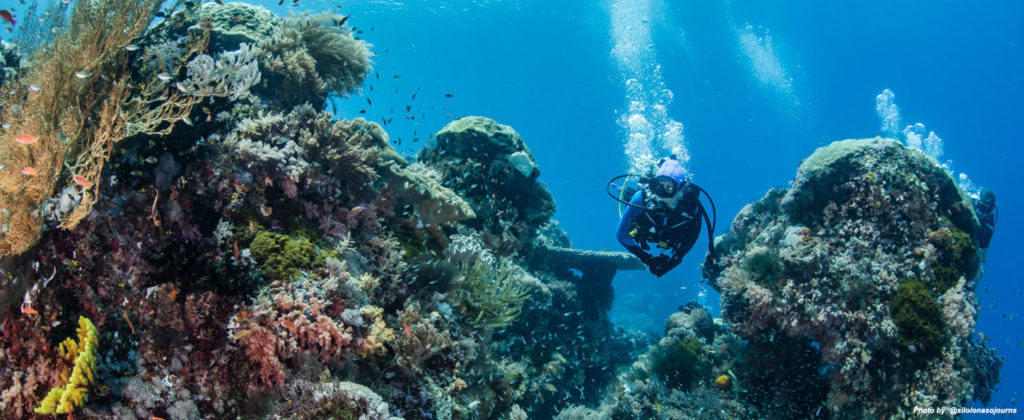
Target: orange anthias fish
25	139
80	180
27	310
408	331
356	210
30	171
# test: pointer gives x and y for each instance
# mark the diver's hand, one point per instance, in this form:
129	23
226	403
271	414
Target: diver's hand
659	265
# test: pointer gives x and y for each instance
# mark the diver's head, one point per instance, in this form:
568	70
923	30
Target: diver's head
988	196
669	178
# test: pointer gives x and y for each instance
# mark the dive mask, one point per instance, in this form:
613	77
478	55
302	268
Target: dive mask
664	186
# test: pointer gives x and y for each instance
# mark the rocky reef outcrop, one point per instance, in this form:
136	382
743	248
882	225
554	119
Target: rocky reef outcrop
489	165
867	269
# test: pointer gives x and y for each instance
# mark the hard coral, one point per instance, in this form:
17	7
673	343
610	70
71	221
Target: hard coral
419	339
475	158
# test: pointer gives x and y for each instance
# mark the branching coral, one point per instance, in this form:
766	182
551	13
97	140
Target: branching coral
306	144
65	398
419	339
301	317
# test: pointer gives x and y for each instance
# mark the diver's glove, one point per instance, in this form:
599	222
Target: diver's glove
659	265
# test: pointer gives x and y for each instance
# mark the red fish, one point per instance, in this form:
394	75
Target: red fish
30	171
27	310
8	17
80	180
25	139
408	331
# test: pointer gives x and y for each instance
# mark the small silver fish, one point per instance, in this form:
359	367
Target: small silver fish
181	87
186	119
81	74
131	47
151	160
163	76
34	88
6	126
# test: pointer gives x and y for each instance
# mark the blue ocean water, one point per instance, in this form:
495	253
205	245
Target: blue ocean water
757	86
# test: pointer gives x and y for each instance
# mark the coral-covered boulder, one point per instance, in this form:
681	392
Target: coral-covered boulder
489	165
234	23
867	269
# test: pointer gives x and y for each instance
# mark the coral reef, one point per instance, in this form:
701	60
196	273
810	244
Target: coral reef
244	254
676	378
474	157
336	400
861	276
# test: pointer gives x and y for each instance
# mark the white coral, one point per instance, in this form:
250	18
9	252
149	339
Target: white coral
230	76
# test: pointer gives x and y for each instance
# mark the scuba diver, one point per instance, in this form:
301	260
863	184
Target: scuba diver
664	211
987	212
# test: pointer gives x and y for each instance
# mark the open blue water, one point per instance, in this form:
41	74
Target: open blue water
756	86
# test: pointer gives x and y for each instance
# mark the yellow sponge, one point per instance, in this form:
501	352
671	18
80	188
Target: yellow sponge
65	398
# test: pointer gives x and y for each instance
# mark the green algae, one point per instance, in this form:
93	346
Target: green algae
283	257
918	317
958	256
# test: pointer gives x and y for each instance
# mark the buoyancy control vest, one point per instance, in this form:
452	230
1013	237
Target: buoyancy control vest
667	226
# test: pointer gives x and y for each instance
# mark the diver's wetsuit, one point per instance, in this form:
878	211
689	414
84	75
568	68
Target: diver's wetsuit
987	214
677	228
